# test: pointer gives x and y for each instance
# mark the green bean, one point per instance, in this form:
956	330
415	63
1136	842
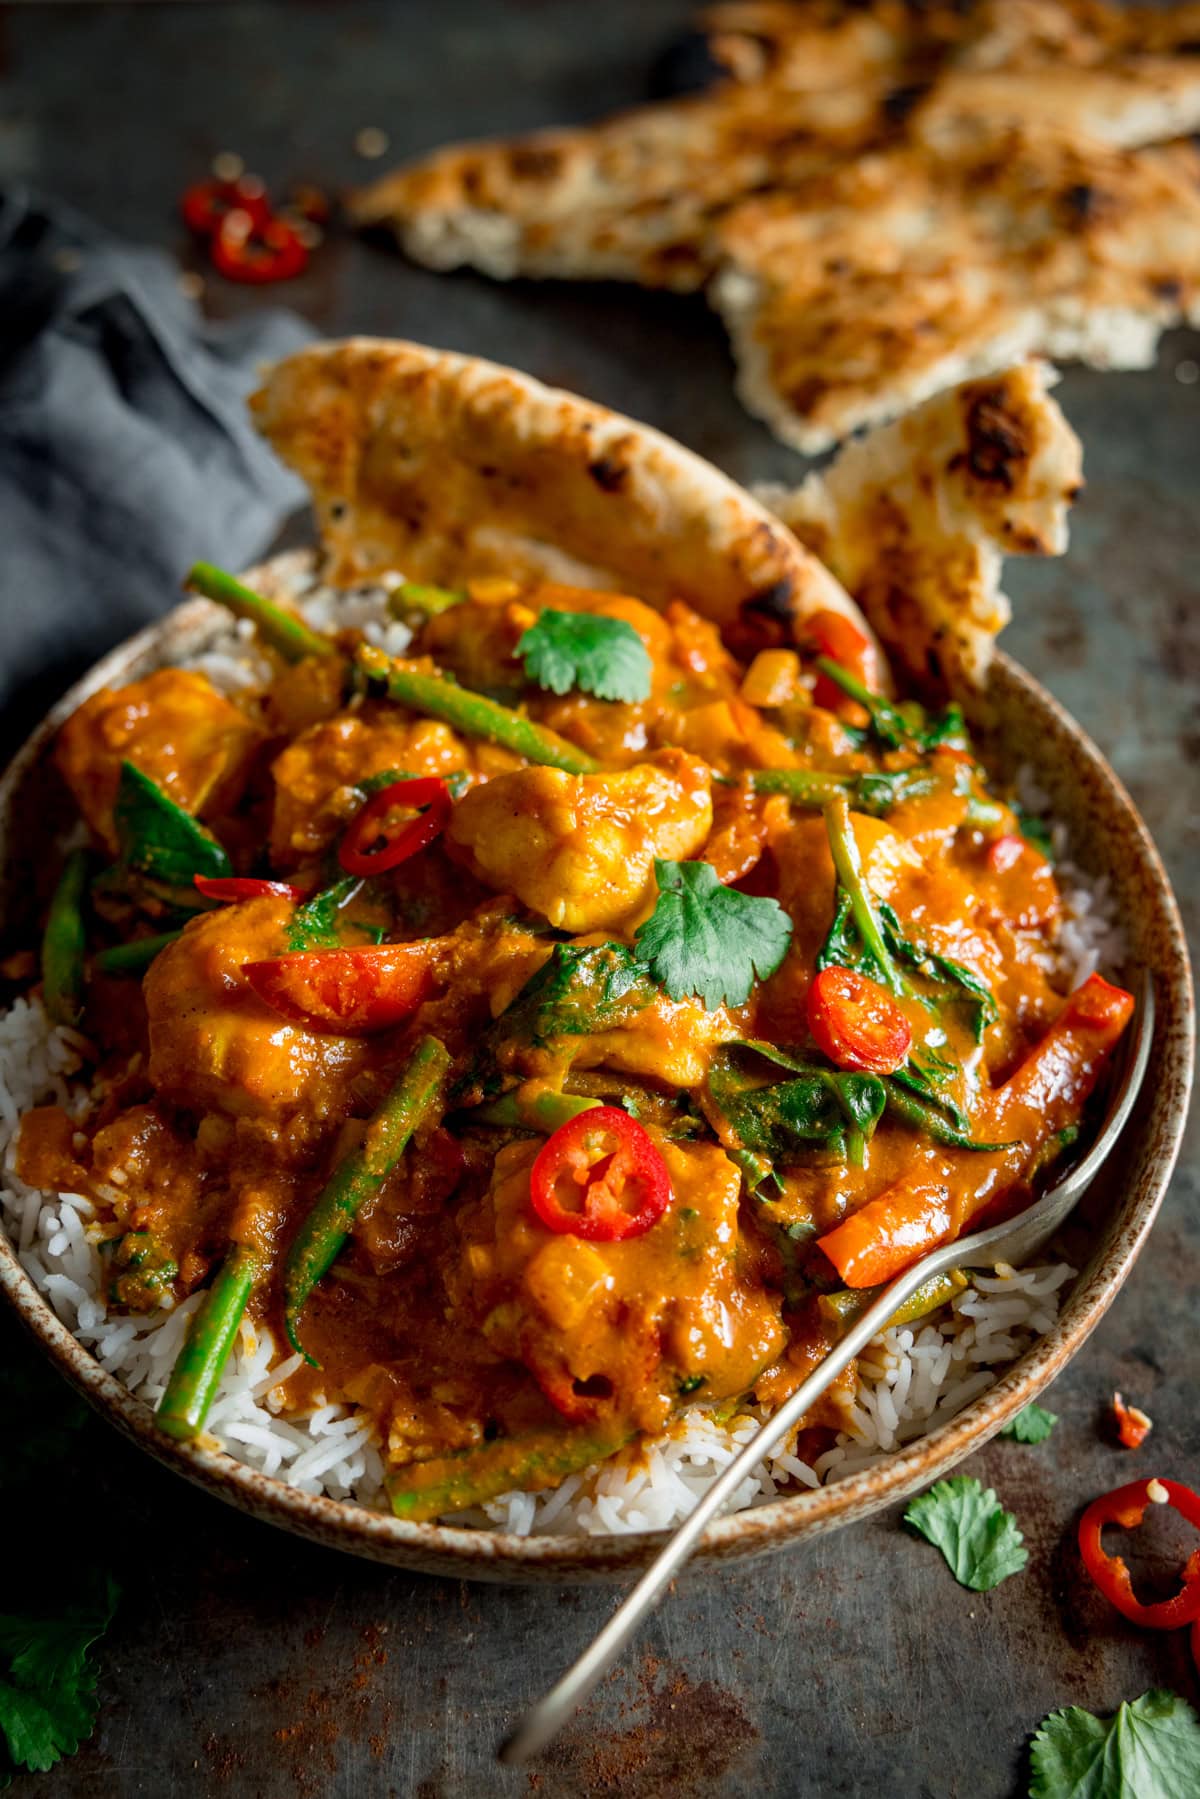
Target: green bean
283	631
543	1112
201	1362
847	862
135	957
925	1116
803	786
474	714
64	943
320	1238
451	1483
849	1303
419	596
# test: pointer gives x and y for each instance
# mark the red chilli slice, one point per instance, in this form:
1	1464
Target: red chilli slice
257	250
600	1177
857	1023
229	889
1126	1506
206	204
428	794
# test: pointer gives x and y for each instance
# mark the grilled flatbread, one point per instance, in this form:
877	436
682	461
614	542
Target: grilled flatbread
632	199
915	518
641	196
806	43
443	467
859	295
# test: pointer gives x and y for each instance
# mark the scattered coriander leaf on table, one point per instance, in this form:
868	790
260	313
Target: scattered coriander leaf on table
979	1539
48	1684
707	940
1149	1749
603	656
1032	1424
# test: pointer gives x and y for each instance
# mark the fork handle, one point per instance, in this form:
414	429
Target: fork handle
542	1722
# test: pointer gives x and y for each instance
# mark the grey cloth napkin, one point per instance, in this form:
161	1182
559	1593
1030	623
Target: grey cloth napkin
125	450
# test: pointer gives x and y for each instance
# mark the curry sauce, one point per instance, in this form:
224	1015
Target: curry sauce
775	922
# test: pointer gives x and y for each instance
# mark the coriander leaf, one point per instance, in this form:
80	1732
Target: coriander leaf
47	1684
778	1121
979	1539
1150	1749
604	656
709	940
1032	1424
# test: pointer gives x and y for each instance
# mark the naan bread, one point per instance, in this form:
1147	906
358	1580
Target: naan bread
916	517
442	467
640	197
631	199
803	43
859	295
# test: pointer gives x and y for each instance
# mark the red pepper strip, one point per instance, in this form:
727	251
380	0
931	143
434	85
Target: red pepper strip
834	635
890	1231
1127	1506
427	791
857	1023
352	992
257	250
1133	1426
227	889
206	204
1061	1070
1196	1644
600	1177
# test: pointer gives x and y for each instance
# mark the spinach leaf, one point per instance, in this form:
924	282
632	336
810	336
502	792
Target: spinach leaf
775	1122
319	923
951	983
158	840
577	992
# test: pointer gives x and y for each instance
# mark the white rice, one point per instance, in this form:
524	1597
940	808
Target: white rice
910	1380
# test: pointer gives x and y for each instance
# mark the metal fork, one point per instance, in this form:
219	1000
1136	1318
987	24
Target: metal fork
1013	1241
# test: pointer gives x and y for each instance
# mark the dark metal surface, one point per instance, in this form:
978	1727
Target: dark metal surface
247	1663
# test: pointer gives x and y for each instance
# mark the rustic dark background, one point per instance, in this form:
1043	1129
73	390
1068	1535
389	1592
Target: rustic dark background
245	1662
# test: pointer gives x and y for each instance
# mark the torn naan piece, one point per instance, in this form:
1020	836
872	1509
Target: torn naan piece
802	43
444	467
633	198
916	517
860	294
807	87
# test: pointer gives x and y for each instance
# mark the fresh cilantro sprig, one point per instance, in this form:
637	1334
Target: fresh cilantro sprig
1149	1749
979	1539
601	656
710	941
1032	1424
48	1683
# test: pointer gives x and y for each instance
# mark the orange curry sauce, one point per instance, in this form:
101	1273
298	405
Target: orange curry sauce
453	1316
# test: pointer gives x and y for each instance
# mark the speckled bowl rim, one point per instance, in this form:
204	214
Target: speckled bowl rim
494	1555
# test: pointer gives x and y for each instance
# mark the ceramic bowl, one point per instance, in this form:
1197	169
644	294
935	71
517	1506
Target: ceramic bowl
1026	726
